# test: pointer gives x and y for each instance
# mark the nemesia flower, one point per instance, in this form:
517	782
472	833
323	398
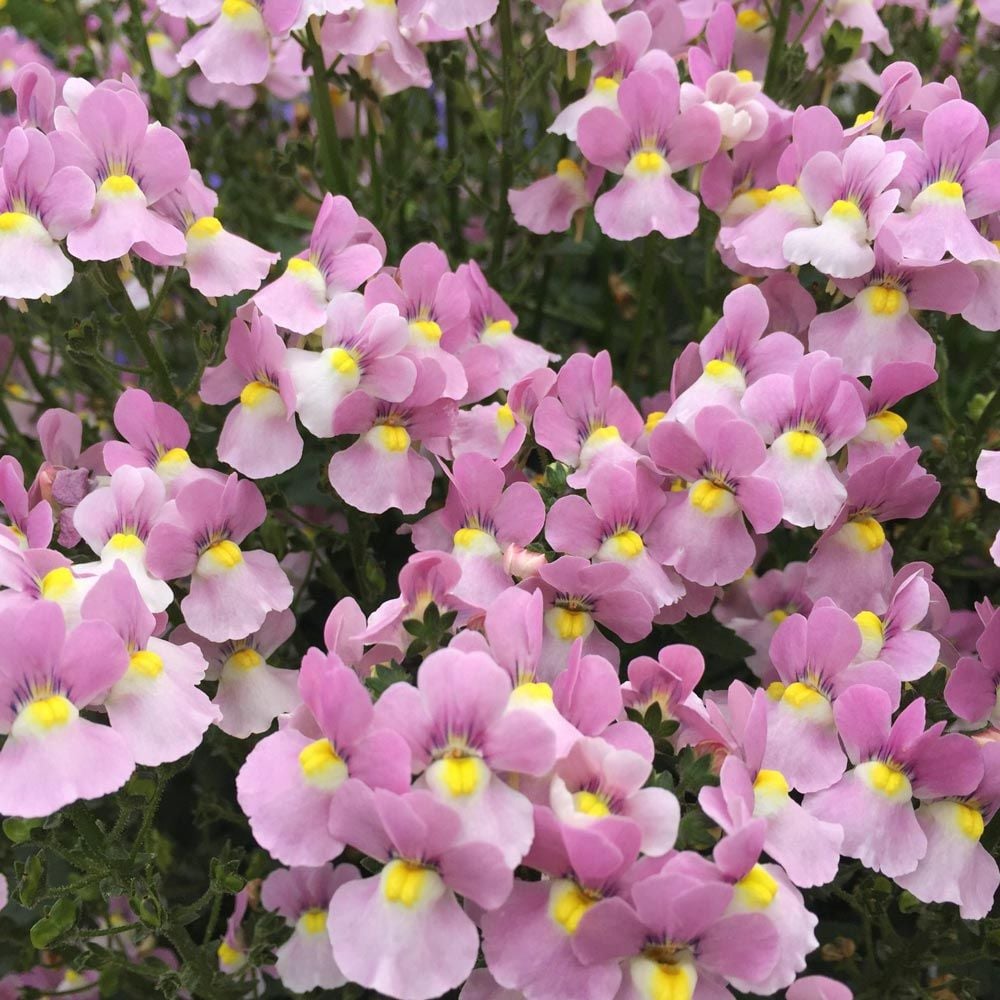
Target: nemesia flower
818	988
302	896
344	251
756	238
850	196
479	519
494	323
251	691
767	890
403	931
134	164
595	780
973	688
232	590
259	437
813	657
383	468
947	184
52	756
156	706
578	25
690	942
232	951
218	262
542	940
463	739
32	575
877	327
156	436
852	562
433	301
773	596
235	47
806	418
30	524
115	521
622	520
457	15
550	204
295	780
705	523
893	762
646	142
360	350
39	205
734	354
957	868
895	637
578	597
733	100
668	681
883	431
588	421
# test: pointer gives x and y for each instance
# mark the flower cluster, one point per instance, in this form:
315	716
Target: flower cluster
483	783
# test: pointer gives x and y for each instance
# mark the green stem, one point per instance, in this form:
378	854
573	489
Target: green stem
506	136
776	56
139	332
642	313
334	172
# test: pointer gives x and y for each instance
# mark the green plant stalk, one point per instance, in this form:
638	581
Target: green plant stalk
776	55
642	313
506	135
335	177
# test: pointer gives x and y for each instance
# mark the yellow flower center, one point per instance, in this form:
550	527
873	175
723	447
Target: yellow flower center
175	456
427	329
256	393
757	889
864	118
146	663
568	903
57	583
205	227
649	161
843	209
884	300
124	541
50	711
343	361
969	820
591	804
750	20
406	883
803	444
653	419
709	497
245	659
770	781
892	424
505	417
394	438
120	186
14	221
462	776
744	76
887	778
318	759
627	543
302	267
869	533
800	695
606	84
224	554
313	921
570	624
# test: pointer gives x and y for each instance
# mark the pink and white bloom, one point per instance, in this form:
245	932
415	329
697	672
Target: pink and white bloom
295	780
134	164
463	739
718	487
156	706
806	418
646	142
344	251
232	590
893	763
39	206
52	756
360	349
403	931
259	438
302	896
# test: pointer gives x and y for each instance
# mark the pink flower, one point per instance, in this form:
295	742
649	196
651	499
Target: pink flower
134	165
232	590
30	524
297	779
579	24
403	932
462	739
893	762
302	896
161	681
53	756
344	251
479	520
646	143
716	465
39	205
259	437
814	659
360	350
806	418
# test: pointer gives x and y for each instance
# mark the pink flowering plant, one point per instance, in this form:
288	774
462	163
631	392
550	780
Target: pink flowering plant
499	499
